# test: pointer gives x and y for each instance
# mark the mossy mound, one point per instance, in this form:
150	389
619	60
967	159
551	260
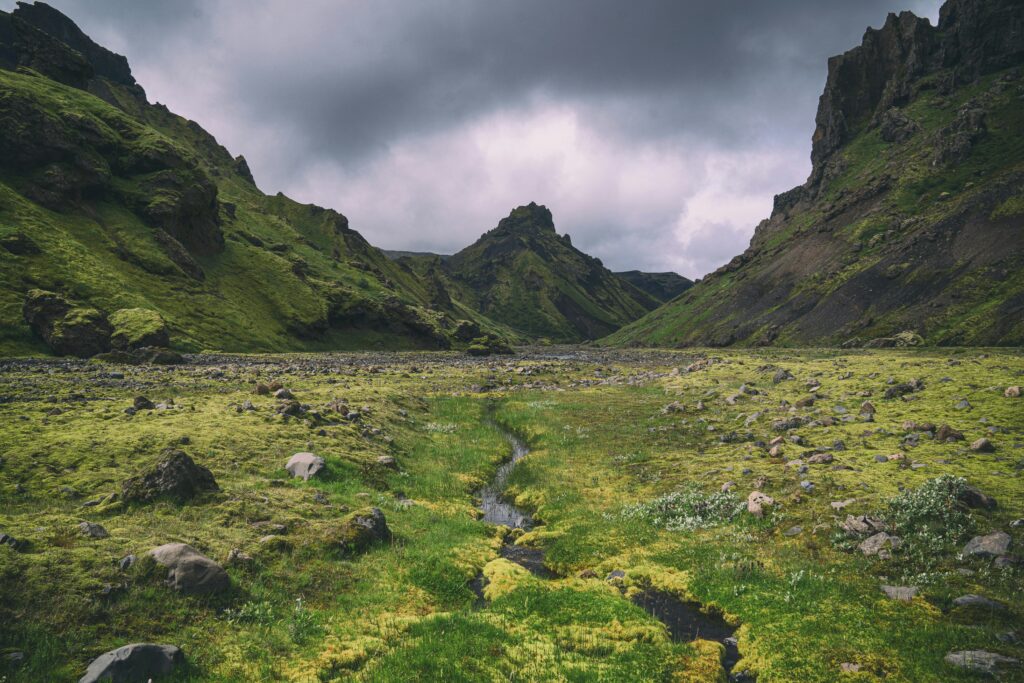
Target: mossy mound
138	327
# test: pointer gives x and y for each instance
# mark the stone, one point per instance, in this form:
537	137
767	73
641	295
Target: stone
840	504
176	476
991	545
93	530
283	394
67	329
133	663
757	502
867	408
305	465
142	403
983	445
963	404
388	461
361	529
728	486
820	459
1012	392
903	593
946	434
262	390
126	562
973	498
974	600
880	544
981	661
190	571
793	531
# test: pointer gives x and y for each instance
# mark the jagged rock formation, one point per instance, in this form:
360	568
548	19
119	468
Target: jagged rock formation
911	216
662	286
117	204
525	275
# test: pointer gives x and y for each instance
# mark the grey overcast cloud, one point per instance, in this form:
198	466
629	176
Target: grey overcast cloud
657	131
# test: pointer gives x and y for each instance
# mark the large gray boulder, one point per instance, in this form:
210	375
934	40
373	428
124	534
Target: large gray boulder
990	545
305	465
981	661
190	571
133	663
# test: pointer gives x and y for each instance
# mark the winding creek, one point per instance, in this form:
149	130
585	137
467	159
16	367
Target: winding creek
685	621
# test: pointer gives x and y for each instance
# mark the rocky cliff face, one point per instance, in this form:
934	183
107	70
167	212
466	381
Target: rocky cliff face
911	216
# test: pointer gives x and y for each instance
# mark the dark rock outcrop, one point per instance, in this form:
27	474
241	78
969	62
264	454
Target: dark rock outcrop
67	329
176	477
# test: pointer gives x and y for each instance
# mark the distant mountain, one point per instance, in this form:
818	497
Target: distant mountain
110	203
526	276
394	254
912	218
662	286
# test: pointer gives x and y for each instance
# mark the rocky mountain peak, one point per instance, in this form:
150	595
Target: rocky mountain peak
973	37
532	217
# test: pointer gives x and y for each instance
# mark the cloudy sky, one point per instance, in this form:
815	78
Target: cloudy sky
657	131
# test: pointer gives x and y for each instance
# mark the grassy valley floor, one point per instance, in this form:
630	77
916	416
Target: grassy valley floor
639	472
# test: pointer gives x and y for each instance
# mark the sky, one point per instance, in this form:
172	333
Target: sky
656	131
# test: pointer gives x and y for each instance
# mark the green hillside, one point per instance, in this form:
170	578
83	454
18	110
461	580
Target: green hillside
912	217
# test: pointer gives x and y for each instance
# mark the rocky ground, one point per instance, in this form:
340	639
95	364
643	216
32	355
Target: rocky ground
822	515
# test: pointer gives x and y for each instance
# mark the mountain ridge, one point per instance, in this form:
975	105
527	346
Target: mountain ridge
910	218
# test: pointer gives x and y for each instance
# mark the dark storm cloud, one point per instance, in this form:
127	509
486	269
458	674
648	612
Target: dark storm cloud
428	121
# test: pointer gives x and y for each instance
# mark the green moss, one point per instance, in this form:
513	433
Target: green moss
134	327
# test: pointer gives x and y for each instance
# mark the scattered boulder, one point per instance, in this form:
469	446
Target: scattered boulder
902	593
983	445
305	465
973	600
862	525
757	502
361	529
190	571
67	329
1012	392
974	498
283	393
388	461
981	661
132	663
947	434
881	544
142	403
93	530
867	409
177	477
991	545
820	459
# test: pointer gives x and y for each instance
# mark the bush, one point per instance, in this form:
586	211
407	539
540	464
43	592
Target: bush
686	510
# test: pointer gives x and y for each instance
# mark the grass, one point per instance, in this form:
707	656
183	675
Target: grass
618	484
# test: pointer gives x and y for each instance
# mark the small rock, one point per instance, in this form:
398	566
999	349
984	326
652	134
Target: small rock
728	486
867	408
946	433
963	404
793	531
881	544
904	593
132	663
840	504
305	465
973	498
983	445
973	600
93	530
1012	392
126	562
980	661
820	459
262	390
283	394
757	502
177	476
142	403
991	545
388	461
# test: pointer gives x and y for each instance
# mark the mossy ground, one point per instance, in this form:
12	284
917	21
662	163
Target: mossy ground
302	610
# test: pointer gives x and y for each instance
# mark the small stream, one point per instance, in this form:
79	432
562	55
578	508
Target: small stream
686	621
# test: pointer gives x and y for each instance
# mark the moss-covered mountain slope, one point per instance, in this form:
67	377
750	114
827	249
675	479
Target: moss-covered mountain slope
913	215
115	203
525	275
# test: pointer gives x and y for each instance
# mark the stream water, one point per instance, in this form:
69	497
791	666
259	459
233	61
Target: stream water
686	621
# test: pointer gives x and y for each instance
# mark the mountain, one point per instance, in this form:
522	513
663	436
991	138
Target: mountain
661	286
526	276
116	212
912	217
395	254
